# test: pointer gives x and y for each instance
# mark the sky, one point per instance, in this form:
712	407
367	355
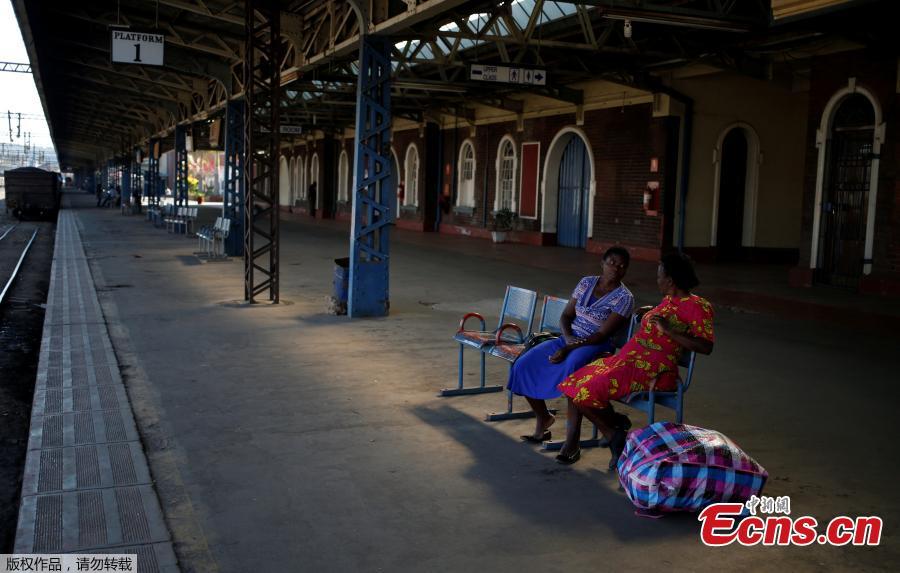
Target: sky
17	91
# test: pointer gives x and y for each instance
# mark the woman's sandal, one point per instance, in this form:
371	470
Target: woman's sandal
532	440
568	459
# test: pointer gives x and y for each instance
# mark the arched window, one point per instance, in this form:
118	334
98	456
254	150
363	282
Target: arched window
395	177
411	179
343	177
506	176
466	194
314	176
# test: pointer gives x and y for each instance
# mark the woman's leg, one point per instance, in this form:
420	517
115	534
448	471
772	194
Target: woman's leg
603	418
612	426
573	428
543	418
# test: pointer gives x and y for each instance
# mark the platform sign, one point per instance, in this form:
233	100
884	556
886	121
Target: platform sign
290	129
508	75
137	47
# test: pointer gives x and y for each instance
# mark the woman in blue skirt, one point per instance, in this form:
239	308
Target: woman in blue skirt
600	306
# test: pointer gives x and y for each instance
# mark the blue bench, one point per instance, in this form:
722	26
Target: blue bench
519	305
211	238
551	312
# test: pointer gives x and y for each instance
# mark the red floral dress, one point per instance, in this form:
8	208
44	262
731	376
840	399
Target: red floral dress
649	356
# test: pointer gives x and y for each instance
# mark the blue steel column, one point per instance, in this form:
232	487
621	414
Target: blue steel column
234	177
181	166
152	174
373	183
136	176
262	91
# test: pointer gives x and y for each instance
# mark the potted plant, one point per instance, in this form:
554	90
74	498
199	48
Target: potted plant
503	224
194	188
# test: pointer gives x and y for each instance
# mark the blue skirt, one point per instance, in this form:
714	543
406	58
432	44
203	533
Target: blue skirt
533	374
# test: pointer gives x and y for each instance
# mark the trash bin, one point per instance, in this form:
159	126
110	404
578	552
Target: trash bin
341	282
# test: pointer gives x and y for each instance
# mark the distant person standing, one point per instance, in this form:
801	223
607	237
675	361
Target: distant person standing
118	196
136	199
99	194
311	198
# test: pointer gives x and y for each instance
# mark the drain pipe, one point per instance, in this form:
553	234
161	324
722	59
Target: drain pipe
687	132
440	181
687	129
484	170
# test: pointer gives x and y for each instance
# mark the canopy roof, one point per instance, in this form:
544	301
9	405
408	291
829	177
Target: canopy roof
97	109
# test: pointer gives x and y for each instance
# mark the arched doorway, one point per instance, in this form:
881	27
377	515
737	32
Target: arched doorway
574	195
732	190
314	179
737	159
845	192
551	178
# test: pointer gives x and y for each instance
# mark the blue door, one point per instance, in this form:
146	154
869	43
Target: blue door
574	193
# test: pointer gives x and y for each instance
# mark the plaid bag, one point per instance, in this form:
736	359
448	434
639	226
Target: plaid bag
676	467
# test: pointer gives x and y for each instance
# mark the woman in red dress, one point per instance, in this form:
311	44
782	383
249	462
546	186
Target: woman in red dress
682	321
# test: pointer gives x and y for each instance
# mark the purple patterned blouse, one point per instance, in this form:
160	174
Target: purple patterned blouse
591	314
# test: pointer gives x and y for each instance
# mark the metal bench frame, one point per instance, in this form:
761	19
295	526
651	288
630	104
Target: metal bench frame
210	238
551	312
518	304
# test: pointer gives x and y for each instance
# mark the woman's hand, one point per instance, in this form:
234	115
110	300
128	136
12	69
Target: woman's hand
559	355
662	324
686	341
570	339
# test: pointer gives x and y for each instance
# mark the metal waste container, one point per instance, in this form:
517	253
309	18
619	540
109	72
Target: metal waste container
341	283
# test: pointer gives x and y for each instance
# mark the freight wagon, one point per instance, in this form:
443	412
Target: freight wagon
32	192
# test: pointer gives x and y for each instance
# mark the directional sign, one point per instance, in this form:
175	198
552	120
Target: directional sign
290	129
134	47
508	75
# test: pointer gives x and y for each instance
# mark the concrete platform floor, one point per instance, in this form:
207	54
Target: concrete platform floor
282	438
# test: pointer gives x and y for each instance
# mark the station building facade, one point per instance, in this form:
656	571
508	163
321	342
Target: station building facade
796	168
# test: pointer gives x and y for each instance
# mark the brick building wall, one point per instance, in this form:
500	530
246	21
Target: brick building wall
622	142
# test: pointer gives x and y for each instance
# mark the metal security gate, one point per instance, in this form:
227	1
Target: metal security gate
843	235
574	194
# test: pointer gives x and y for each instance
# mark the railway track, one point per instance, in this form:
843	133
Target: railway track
7	231
26	257
11	278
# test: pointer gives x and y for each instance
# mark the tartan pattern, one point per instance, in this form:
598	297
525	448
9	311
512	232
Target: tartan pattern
677	467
